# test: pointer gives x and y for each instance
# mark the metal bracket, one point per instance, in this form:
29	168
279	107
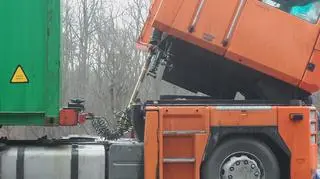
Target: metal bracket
226	40
196	17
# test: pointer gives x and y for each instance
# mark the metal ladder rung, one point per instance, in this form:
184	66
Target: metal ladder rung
179	160
183	132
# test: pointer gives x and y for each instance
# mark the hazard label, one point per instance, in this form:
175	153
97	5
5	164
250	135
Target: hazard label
19	76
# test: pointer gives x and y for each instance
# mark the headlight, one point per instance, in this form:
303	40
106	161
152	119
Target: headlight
313	139
313	127
313	116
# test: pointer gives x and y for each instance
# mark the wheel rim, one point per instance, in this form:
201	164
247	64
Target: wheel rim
242	165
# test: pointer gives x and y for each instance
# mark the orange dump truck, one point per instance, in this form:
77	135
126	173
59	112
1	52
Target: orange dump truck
269	51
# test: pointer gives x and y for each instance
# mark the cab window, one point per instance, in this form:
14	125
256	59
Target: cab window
308	10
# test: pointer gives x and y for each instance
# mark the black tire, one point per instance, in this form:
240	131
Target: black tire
211	168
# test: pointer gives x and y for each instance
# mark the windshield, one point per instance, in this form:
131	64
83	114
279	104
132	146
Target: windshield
308	10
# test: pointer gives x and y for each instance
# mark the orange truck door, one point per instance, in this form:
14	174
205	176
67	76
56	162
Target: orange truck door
273	41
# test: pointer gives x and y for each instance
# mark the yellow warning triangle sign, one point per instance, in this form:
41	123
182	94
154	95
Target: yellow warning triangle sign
19	76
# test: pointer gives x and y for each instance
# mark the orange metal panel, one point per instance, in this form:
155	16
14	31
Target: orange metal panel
178	171
182	145
211	23
244	117
310	81
185	118
296	135
151	145
166	14
262	41
178	147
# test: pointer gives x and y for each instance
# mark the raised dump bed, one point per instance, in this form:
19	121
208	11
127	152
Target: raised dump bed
30	62
263	49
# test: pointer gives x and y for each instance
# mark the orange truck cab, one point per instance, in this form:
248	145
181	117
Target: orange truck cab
269	51
266	49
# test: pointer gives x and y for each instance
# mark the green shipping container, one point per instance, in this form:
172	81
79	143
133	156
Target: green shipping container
30	62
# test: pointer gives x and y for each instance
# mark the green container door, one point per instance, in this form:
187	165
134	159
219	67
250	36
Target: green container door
30	61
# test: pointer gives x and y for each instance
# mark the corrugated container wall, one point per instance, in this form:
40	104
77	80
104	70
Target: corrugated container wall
30	61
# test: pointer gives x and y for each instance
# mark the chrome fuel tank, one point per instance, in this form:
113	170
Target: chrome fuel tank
71	158
75	161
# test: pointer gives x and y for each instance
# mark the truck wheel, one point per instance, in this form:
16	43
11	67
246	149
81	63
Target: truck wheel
241	158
